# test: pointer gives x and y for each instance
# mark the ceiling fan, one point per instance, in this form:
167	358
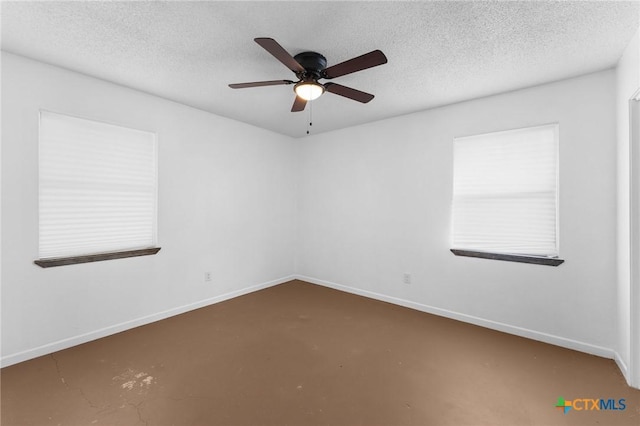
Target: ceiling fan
309	67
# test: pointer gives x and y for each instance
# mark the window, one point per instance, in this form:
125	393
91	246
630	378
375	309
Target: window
98	190
505	192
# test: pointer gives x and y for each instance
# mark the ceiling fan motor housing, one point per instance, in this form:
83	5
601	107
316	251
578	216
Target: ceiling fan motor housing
314	64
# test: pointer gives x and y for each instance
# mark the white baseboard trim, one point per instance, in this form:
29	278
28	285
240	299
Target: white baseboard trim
49	348
623	367
494	325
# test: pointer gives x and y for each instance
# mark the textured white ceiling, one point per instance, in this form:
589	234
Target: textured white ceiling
439	52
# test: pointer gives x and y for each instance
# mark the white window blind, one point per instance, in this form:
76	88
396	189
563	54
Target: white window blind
97	187
505	191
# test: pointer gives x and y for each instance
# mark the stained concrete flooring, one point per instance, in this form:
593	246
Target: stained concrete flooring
300	354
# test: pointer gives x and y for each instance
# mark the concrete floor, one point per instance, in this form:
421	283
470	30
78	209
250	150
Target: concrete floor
300	354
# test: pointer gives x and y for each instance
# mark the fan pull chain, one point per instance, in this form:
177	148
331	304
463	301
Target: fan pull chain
310	116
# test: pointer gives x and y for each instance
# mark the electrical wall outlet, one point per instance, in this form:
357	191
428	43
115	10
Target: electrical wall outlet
406	278
207	276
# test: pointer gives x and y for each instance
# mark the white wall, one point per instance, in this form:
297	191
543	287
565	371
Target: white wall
628	82
361	205
374	202
226	205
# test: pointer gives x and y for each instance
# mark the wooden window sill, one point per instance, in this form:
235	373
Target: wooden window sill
549	261
62	261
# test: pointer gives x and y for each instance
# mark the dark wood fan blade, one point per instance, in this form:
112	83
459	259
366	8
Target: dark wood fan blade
272	46
298	104
368	60
348	92
260	83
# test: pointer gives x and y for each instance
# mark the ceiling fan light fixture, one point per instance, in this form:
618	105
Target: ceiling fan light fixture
309	90
309	67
